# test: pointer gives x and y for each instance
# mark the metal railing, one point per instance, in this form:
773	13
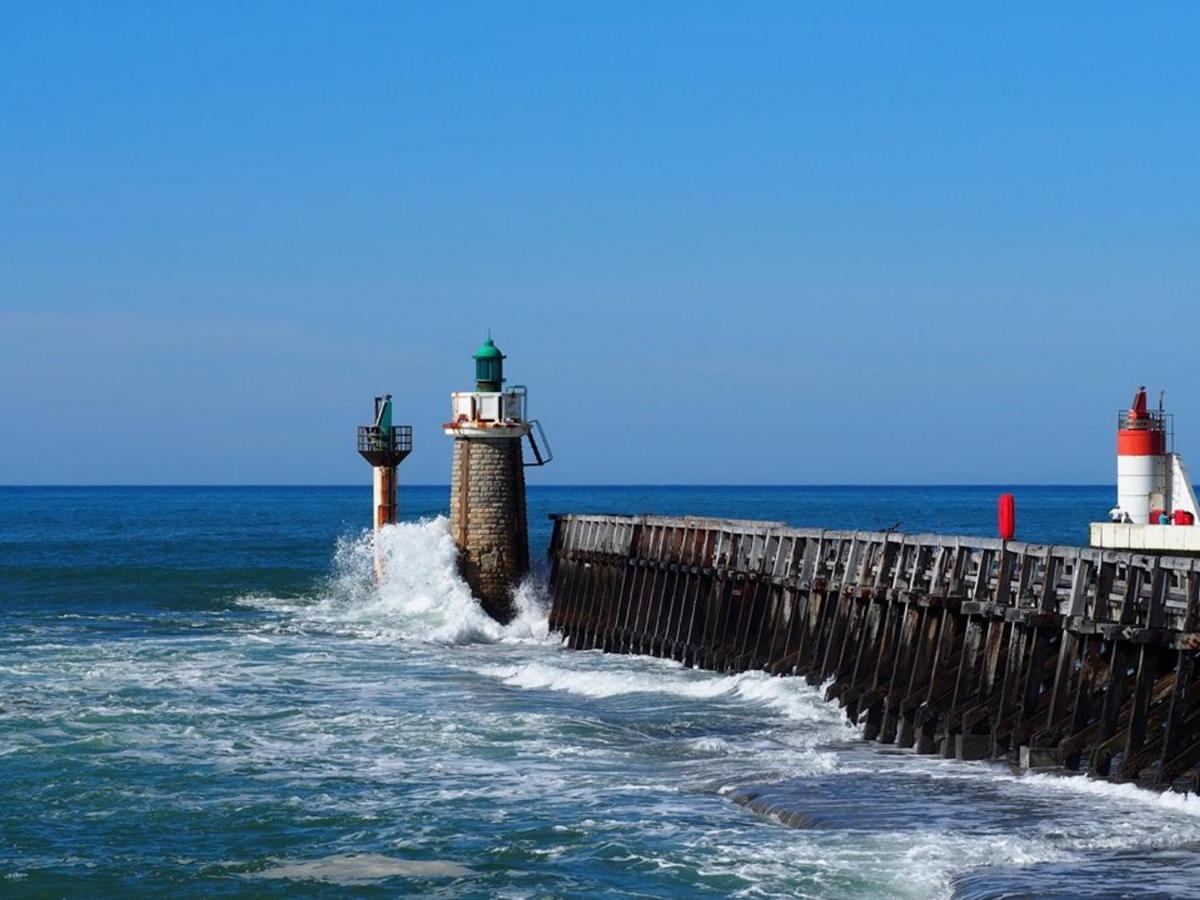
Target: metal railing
542	458
373	439
1151	419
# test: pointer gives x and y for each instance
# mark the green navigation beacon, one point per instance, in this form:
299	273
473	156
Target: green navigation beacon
489	368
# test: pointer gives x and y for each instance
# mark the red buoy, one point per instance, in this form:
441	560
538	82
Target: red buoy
1007	516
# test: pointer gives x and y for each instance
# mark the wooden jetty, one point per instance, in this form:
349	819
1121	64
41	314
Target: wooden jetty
1048	657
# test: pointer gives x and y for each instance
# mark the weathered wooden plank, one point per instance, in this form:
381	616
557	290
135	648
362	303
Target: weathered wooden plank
975	645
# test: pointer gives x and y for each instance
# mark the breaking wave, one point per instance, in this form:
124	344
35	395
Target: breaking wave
921	826
421	595
791	697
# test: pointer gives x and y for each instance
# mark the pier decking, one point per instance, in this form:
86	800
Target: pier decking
1045	656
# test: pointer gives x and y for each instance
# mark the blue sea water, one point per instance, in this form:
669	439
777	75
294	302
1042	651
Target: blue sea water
203	692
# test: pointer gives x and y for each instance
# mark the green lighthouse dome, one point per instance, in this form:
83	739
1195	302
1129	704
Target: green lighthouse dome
489	368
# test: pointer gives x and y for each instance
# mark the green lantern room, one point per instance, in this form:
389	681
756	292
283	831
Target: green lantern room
489	368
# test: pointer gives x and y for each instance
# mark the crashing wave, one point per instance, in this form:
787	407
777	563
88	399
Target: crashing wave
421	595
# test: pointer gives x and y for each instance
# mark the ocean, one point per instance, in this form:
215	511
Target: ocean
204	693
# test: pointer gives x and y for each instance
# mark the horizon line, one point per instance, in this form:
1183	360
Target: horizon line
446	485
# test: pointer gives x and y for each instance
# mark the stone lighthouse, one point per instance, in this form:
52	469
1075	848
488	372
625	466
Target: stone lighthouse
487	482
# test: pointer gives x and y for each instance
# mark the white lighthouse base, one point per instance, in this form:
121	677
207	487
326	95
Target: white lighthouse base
1154	538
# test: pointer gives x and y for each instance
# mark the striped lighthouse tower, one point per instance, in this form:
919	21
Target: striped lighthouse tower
1143	464
1154	492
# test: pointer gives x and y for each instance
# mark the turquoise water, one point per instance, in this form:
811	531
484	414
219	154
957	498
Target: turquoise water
202	692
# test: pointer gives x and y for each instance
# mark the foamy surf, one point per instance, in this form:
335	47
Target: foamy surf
421	596
731	737
603	677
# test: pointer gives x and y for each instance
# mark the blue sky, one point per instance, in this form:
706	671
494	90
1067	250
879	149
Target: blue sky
732	243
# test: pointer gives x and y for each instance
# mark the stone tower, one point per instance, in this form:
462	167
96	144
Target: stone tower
487	483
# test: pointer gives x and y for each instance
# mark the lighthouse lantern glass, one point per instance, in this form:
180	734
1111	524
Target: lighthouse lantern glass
489	368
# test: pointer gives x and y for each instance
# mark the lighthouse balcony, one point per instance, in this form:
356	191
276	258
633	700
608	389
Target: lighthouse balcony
1148	420
498	414
384	446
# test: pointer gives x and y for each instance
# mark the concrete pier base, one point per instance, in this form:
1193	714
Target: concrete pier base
972	746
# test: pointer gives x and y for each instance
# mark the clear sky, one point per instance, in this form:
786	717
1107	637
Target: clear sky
732	243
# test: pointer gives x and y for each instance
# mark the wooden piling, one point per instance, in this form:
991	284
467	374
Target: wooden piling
1048	657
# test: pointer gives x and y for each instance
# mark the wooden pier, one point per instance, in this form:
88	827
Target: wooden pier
1047	657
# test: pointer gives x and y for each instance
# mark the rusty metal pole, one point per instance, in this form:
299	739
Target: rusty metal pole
385	509
384	446
385	496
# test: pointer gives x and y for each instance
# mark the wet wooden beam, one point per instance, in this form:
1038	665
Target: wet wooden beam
974	647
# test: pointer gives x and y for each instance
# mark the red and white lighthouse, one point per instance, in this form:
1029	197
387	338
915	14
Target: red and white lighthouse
1143	470
1154	493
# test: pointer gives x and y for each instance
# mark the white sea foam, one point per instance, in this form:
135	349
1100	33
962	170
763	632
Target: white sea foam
1034	784
789	696
570	757
421	595
1127	795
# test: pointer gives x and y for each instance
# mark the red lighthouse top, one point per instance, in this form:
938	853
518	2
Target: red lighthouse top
1141	431
1138	410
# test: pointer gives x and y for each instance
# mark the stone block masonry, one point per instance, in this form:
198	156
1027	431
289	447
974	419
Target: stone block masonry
487	519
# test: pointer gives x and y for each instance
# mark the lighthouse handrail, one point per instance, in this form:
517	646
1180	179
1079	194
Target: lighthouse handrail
1152	419
372	439
536	425
522	392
